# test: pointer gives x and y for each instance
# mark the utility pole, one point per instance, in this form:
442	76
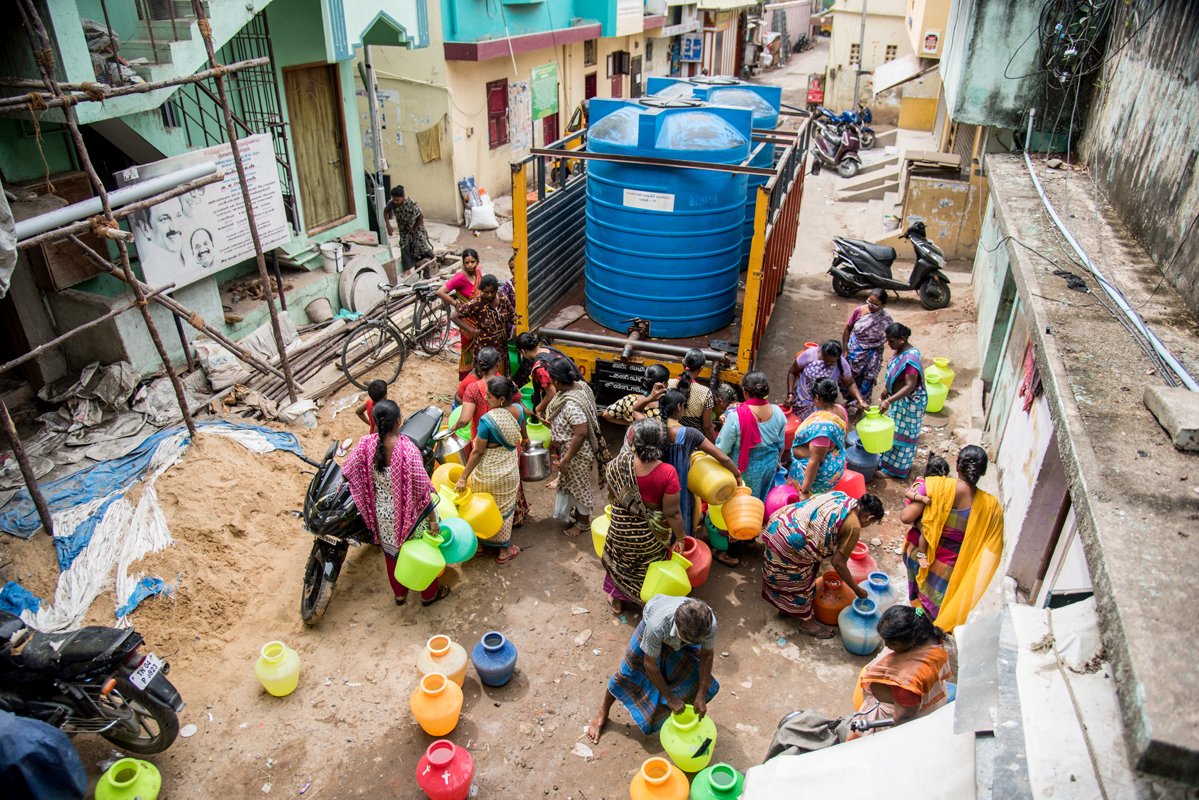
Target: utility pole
372	103
857	75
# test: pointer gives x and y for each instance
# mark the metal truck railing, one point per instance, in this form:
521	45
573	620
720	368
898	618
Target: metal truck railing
549	223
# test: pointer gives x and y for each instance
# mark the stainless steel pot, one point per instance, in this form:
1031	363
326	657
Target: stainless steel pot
448	448
534	464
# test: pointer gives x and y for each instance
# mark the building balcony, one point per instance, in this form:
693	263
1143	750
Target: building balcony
527	25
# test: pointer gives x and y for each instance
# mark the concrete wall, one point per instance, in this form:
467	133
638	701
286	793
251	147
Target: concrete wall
1142	136
469	21
985	40
924	17
885	25
412	84
951	209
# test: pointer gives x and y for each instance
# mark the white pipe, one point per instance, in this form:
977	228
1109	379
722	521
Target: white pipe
34	226
1115	294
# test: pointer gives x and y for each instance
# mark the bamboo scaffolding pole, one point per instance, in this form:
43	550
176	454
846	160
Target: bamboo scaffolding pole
18	451
89	92
181	311
43	55
55	342
268	292
88	225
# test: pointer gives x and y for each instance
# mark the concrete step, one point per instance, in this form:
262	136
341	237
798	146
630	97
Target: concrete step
886	138
892	201
873	187
885	163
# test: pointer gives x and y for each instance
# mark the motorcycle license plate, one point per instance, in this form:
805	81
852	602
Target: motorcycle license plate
146	671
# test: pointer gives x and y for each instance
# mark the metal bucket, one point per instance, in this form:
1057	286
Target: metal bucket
534	464
448	448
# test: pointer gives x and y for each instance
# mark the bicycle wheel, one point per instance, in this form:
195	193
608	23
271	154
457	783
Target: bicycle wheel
367	349
432	326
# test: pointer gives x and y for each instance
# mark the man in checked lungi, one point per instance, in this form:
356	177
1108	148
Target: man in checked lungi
668	665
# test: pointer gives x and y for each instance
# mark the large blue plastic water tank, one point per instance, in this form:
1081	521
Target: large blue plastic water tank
664	243
764	102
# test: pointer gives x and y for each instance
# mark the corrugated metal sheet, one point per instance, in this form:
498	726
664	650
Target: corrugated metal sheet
556	254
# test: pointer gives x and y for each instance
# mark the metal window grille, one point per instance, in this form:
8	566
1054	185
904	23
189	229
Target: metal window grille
855	54
254	100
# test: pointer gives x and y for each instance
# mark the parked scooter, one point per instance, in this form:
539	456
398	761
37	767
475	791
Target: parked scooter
836	146
858	265
93	680
331	517
861	118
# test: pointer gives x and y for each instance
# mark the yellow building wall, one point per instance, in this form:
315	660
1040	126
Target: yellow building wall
414	98
925	18
420	89
917	113
468	87
951	210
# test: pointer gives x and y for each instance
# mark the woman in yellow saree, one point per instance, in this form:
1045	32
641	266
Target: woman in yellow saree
953	554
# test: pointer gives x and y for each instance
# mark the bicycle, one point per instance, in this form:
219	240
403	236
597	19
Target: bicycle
379	337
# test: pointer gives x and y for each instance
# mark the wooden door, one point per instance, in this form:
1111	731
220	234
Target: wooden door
589	86
635	76
314	110
618	86
549	129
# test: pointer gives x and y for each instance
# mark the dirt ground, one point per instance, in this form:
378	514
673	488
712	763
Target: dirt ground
346	732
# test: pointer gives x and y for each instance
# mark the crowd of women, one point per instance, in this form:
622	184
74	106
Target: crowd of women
950	552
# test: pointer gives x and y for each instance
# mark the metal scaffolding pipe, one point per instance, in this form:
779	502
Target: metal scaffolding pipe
268	294
18	451
75	212
43	55
616	343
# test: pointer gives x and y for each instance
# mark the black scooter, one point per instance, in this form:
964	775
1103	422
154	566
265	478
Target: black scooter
331	517
858	265
93	680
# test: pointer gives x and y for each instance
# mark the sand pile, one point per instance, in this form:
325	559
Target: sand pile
229	512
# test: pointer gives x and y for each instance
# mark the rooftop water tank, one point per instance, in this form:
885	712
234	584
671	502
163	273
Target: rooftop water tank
664	243
764	102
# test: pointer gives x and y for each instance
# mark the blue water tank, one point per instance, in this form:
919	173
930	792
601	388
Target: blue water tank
764	102
664	243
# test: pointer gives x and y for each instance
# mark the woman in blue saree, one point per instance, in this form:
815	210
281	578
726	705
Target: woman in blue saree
818	449
904	396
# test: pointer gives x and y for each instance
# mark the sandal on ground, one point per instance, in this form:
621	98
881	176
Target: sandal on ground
820	633
505	559
727	560
401	600
576	528
442	593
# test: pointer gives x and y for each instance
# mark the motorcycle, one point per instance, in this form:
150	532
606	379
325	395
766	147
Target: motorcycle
836	145
861	118
331	517
858	265
93	680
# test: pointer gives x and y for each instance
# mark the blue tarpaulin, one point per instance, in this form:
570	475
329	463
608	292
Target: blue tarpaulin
15	598
19	517
146	587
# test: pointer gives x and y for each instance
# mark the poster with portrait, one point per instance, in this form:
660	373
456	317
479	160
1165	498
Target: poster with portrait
931	43
188	238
